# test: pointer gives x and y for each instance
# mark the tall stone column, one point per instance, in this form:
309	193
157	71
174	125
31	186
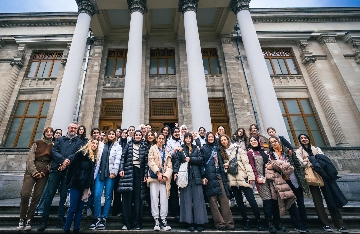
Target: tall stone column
17	63
132	91
264	90
66	100
342	67
309	61
200	111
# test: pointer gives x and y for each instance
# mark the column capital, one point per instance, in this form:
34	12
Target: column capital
86	6
326	38
2	43
188	5
137	5
18	60
238	5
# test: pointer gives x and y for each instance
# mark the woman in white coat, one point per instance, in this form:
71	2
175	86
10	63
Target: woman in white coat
106	169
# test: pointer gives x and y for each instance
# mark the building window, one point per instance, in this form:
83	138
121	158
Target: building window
44	65
28	123
280	61
162	62
116	63
299	118
210	61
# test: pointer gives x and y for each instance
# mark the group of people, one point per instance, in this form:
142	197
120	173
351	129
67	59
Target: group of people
130	166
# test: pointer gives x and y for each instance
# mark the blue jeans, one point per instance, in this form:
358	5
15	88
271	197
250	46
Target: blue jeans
75	209
56	178
99	187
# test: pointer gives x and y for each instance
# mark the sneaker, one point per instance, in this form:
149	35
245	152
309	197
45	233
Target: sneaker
21	225
271	228
137	226
27	225
247	225
164	225
157	225
327	229
88	212
300	229
43	225
191	227
260	226
95	223
279	227
200	228
102	224
343	230
125	228
233	202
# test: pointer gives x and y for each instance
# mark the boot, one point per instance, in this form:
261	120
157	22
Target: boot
271	228
43	225
260	226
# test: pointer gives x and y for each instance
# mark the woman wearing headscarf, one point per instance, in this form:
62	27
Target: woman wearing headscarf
216	184
35	177
258	158
105	173
133	173
242	181
192	204
79	180
333	196
296	180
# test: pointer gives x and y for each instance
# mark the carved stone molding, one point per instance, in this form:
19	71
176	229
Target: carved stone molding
326	38
99	41
188	5
225	40
238	5
303	44
295	81
357	57
137	5
86	6
326	104
2	43
308	59
18	60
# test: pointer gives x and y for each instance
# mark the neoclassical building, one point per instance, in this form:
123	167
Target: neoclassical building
198	63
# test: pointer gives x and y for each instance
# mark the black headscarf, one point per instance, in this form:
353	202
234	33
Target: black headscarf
173	130
133	139
206	139
264	156
307	149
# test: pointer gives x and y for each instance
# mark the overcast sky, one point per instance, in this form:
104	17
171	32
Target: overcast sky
16	6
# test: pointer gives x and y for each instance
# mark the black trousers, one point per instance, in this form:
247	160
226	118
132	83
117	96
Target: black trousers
271	210
117	204
249	194
299	193
174	207
132	217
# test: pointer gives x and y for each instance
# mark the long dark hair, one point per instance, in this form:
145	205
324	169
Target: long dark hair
223	153
169	132
146	138
244	137
81	136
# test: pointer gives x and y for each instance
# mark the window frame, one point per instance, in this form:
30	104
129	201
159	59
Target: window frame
115	54
209	56
157	55
23	117
39	56
283	53
303	116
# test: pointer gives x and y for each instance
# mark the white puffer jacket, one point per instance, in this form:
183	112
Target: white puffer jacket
114	158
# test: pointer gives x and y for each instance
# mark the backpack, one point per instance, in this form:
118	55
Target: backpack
182	177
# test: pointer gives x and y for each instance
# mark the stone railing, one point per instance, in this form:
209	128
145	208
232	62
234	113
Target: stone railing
290	80
39	83
163	81
214	80
117	81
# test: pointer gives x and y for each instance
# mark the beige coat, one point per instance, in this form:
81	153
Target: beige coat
244	168
154	162
301	154
280	190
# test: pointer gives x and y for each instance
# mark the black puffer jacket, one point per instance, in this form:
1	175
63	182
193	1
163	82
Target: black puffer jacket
209	172
80	174
195	164
126	165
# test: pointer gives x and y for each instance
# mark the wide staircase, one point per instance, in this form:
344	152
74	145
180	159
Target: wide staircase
9	218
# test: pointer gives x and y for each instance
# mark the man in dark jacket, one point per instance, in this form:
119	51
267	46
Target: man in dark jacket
62	152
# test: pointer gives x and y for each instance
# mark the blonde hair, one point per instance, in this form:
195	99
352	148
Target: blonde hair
93	155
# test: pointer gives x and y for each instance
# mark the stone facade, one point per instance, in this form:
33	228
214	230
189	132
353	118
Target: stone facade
328	65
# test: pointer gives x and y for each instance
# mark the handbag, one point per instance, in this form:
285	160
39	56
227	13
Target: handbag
182	177
233	165
312	177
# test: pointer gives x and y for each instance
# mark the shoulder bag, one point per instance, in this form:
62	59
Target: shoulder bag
233	165
182	177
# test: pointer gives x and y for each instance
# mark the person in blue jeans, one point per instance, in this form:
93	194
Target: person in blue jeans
79	181
107	167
